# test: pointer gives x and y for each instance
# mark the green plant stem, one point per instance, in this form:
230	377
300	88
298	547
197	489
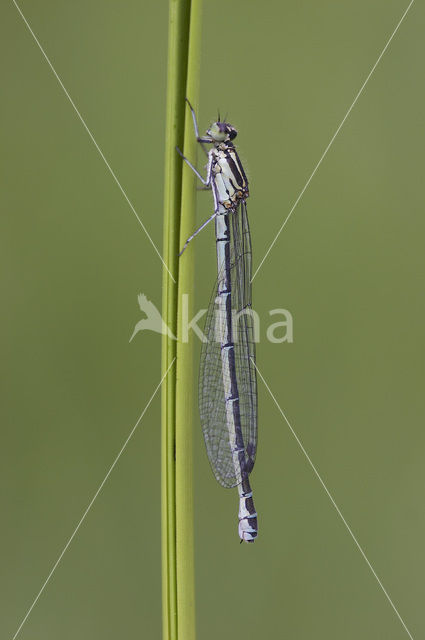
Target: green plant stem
179	214
185	377
179	15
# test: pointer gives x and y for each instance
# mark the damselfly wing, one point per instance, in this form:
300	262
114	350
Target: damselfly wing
212	405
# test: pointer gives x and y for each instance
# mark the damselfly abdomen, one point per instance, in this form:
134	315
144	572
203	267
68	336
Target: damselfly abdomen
227	381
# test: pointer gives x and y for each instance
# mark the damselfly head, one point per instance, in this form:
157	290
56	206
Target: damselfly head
222	132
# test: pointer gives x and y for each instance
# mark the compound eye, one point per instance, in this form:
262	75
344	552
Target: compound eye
217	132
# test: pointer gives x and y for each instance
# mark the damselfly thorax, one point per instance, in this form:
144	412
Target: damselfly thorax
228	176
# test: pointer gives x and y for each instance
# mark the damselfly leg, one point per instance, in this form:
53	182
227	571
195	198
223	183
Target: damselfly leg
199	138
197	231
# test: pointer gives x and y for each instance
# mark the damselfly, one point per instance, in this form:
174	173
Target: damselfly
227	381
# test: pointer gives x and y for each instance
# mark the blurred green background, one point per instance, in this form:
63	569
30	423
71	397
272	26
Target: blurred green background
349	265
